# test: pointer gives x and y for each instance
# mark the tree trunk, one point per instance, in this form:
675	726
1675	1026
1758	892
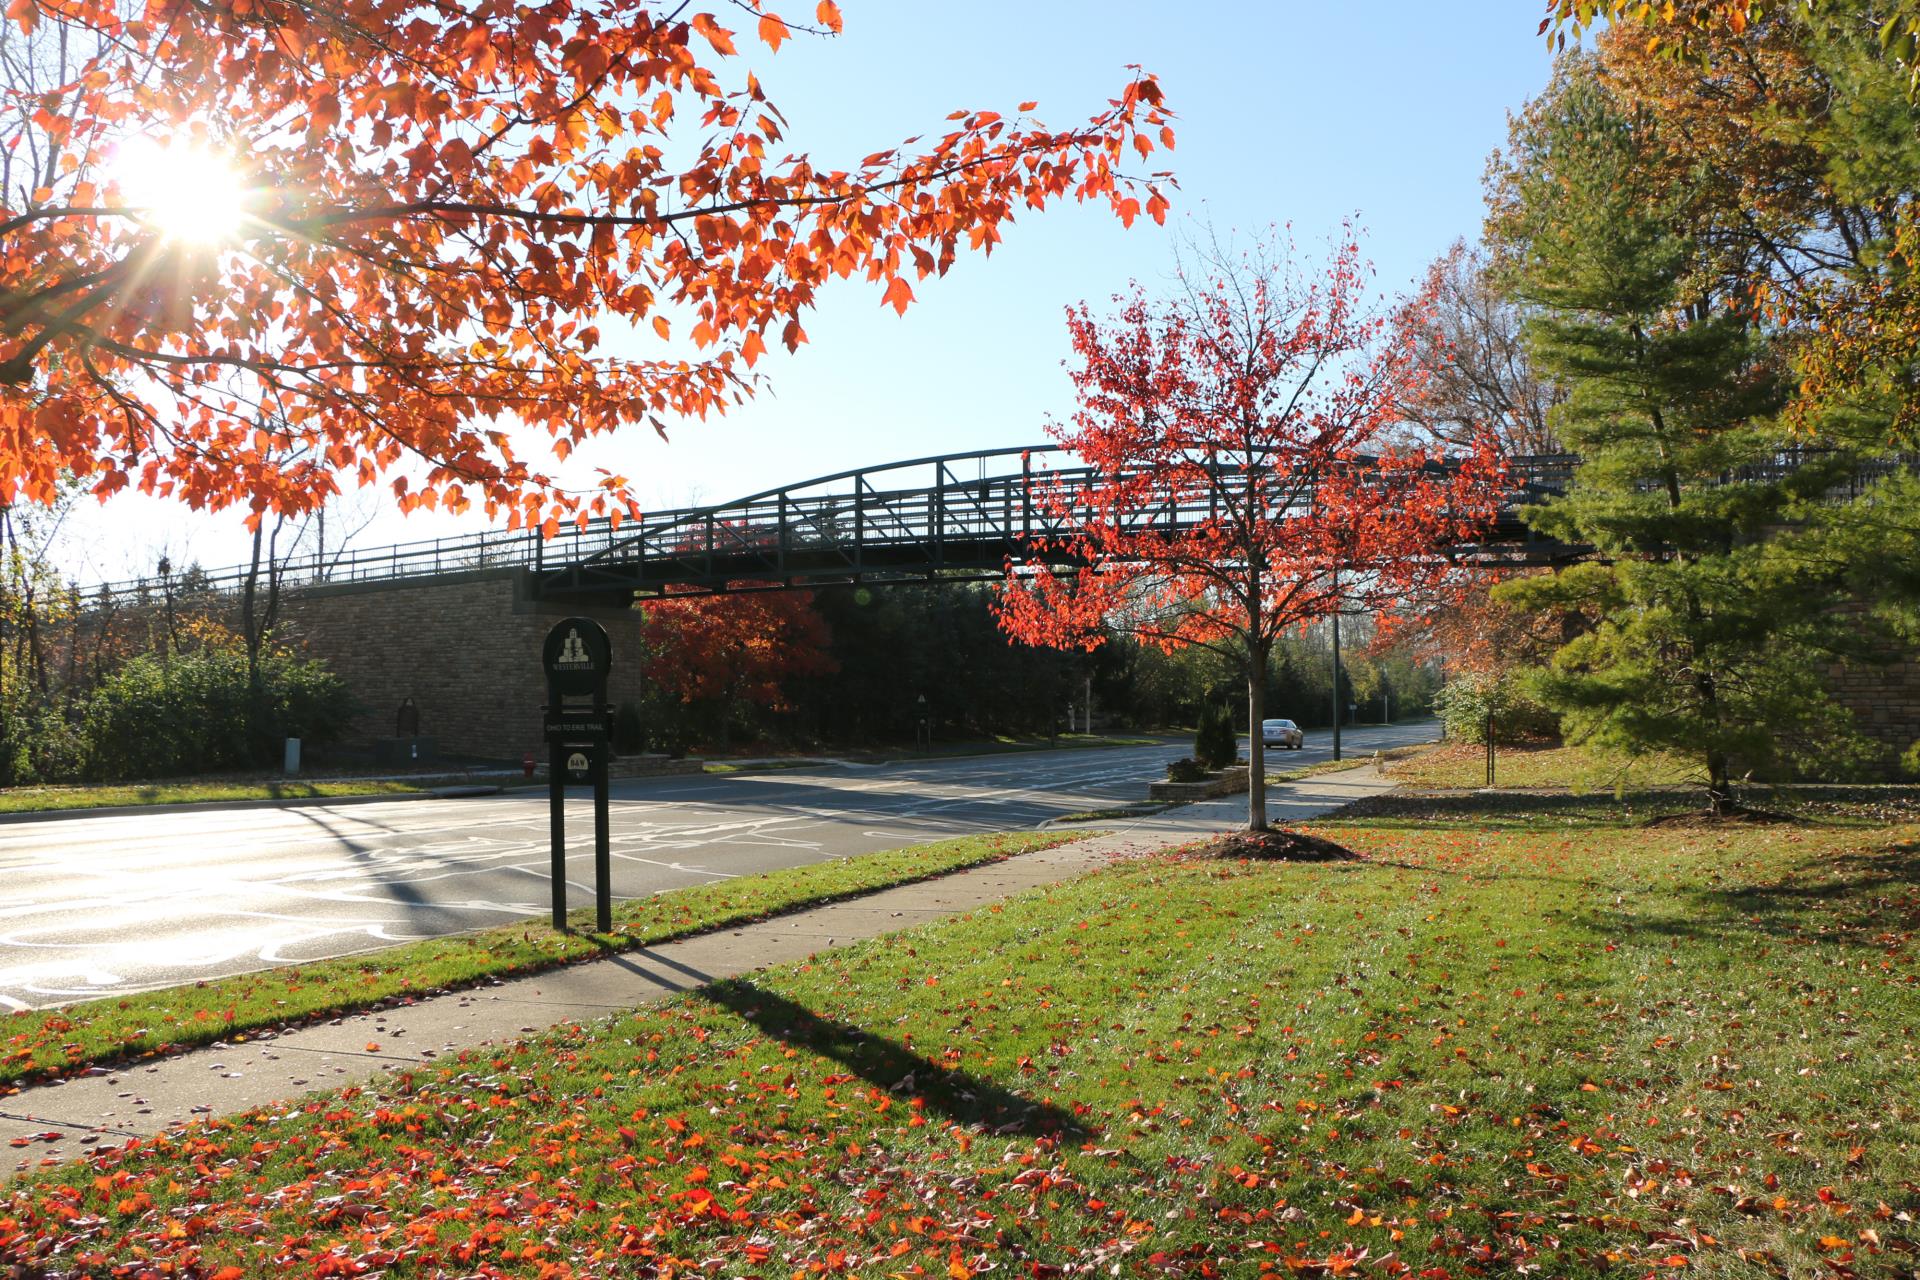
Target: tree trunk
170	638
249	624
258	617
1707	690
1256	748
256	748
1719	792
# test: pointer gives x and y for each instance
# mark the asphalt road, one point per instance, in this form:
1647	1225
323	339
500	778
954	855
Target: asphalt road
94	906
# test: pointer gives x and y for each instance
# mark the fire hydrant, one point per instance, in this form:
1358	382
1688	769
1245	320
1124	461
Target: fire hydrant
526	764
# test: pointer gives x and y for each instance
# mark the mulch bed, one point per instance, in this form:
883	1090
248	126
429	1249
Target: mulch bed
1735	814
1275	844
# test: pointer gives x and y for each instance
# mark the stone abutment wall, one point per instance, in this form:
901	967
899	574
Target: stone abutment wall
1885	700
465	648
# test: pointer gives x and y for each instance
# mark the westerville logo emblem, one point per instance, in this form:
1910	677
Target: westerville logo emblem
573	653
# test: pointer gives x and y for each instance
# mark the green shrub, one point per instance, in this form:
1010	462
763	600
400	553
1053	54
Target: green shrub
1186	771
1464	702
305	701
197	714
39	744
1215	744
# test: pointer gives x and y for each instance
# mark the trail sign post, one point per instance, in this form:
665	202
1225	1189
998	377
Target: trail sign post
577	656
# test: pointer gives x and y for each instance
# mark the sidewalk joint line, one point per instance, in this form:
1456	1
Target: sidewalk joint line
68	1124
350	1053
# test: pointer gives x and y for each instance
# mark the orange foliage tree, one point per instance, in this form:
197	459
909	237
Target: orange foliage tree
734	649
1252	470
1484	644
440	208
1464	628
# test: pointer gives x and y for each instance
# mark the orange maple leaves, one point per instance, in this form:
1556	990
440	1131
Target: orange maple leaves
736	647
446	207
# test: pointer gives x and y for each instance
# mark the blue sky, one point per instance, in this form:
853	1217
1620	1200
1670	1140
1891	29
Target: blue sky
1289	112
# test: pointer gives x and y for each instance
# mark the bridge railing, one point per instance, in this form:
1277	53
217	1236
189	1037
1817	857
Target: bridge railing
937	502
944	519
490	548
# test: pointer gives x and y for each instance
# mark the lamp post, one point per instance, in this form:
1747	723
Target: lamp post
1489	747
1336	664
166	599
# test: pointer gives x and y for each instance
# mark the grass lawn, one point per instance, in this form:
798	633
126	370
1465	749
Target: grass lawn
44	799
1464	764
56	1041
1537	1038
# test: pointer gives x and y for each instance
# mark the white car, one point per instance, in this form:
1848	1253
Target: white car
1282	733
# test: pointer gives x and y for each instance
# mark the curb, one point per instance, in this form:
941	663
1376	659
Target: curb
1007	751
730	769
455	791
1122	813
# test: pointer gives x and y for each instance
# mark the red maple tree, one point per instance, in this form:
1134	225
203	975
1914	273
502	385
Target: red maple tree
1465	629
1252	469
431	214
737	648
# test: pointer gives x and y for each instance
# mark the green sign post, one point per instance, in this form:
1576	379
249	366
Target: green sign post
579	727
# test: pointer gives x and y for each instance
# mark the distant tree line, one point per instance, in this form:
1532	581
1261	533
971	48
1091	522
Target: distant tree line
172	679
849	666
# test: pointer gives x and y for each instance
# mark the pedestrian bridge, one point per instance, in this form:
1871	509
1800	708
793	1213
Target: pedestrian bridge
956	516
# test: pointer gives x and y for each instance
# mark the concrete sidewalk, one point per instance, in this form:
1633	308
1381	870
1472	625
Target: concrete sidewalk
66	1118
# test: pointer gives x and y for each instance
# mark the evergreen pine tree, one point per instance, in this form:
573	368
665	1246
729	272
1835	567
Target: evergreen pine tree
1708	633
1215	744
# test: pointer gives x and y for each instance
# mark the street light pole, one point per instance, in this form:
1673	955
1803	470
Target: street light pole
1336	664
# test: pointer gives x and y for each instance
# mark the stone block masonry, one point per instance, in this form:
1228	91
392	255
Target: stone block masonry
1884	699
465	647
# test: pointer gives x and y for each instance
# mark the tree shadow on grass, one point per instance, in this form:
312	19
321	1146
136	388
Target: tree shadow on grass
1813	804
962	1098
1402	810
1854	900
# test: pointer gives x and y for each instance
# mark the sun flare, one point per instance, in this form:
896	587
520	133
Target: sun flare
184	191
